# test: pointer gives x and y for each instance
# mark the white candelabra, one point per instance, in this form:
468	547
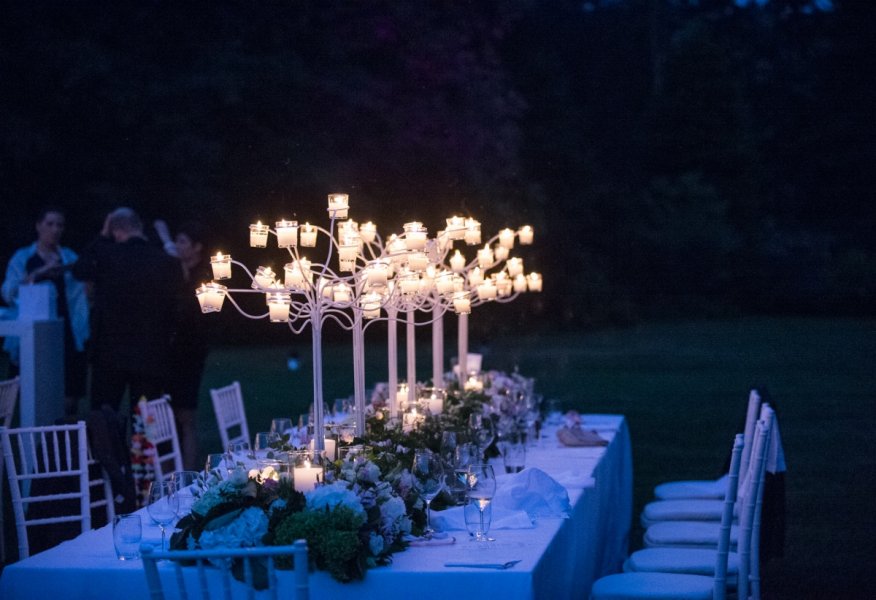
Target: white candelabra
405	274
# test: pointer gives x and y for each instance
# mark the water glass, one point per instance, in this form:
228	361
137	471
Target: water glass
264	444
214	462
281	426
184	484
472	514
514	456
239	453
127	535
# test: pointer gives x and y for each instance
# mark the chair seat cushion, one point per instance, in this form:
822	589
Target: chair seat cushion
653	586
694	561
708	489
682	510
687	534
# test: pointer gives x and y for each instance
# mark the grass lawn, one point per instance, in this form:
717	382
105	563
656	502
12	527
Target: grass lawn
683	386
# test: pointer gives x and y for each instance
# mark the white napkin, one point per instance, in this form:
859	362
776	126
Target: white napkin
503	518
535	492
575	480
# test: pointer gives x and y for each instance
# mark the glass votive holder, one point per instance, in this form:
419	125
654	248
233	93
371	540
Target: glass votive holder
307	471
127	535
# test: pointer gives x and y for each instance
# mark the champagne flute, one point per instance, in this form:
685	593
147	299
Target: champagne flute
428	471
163	505
483	432
481	489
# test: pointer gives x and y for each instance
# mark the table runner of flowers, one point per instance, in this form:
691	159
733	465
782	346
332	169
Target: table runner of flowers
368	505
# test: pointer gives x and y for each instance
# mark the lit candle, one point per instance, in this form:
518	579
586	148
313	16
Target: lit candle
376	273
370	305
342	292
401	396
474	384
338	204
258	235
475	277
368	231
427	279
457	262
520	283
211	296
397	249
444	240
348	252
487	290
433	398
455	228
534	280
485	257
410	420
525	235
472	232
287	234
330	448
278	307
503	284
306	477
409	282
506	238
308	235
417	261
264	277
500	253
221	264
415	235
461	303
515	266
444	282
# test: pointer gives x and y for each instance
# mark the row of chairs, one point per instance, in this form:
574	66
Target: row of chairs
697	545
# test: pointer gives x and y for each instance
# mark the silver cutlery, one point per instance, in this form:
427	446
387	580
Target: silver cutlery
500	566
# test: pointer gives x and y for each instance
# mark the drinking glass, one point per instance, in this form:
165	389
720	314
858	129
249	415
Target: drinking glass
127	535
281	425
483	432
163	505
481	489
428	471
238	453
184	484
473	519
264	443
464	456
214	462
514	455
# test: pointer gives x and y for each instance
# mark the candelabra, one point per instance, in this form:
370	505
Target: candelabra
406	273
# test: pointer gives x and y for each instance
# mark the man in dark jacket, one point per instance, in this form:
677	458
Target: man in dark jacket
136	286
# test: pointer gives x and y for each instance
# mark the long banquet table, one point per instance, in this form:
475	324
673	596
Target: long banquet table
559	558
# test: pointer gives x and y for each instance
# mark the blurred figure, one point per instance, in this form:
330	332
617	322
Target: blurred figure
47	260
135	290
190	342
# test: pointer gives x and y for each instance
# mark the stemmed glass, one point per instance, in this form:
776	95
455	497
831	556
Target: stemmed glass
281	425
429	473
238	453
482	431
481	489
163	505
184	483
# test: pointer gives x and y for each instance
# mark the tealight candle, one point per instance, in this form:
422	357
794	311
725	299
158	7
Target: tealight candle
487	290
417	261
485	257
221	264
415	235
461	303
520	283
410	421
444	282
474	384
342	292
287	234
211	296
348	252
457	262
368	231
503	284
515	266
338	205
370	305
258	235
525	235
455	228
506	238
475	277
264	277
472	232
500	253
308	235
278	307
534	280
409	282
376	273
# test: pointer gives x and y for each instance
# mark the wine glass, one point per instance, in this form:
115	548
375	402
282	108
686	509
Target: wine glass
239	453
163	505
184	483
280	426
481	489
428	471
264	443
483	432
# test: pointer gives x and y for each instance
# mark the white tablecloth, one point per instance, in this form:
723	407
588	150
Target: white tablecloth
560	558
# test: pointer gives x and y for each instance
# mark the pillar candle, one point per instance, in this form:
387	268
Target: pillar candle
306	477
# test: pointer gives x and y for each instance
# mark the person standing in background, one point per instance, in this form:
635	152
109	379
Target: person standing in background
136	286
190	342
47	260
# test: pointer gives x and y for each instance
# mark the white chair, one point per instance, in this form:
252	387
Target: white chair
101	482
704	584
197	577
230	415
161	431
713	488
700	561
700	534
698	509
8	400
47	453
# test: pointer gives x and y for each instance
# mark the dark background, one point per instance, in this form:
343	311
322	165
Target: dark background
675	157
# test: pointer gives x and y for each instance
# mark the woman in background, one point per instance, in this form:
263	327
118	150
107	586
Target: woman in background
47	260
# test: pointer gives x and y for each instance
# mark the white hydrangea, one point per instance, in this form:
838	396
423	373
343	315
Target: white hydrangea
246	530
332	495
